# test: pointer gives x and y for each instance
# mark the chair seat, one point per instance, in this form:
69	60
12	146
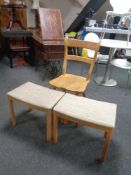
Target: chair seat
88	110
36	95
121	63
70	82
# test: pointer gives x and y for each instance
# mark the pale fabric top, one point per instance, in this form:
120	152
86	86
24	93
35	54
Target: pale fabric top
84	109
36	95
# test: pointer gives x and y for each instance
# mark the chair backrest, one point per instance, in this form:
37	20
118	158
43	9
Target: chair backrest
80	44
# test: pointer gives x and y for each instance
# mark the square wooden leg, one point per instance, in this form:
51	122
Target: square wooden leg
49	125
11	107
108	136
55	127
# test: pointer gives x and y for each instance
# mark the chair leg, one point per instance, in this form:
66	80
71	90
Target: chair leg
108	136
29	109
96	69
11	61
55	127
48	125
11	107
84	94
129	73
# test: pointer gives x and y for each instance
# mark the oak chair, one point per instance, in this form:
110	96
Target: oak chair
87	112
70	82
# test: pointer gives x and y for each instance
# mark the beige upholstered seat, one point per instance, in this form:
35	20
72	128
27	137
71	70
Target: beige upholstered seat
93	113
35	97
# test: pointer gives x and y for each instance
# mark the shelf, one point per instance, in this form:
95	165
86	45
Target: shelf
107	30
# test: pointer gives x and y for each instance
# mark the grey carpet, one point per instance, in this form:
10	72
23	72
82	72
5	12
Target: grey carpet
23	150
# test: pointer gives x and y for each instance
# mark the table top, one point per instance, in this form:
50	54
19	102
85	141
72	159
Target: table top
119	44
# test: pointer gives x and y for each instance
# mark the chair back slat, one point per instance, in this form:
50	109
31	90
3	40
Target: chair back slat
80	59
79	45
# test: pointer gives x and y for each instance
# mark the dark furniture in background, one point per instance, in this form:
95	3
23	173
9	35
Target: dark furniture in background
49	39
15	19
13	15
18	42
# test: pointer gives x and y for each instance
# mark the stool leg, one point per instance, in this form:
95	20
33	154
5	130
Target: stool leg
108	136
11	61
129	73
48	125
55	127
84	94
11	107
29	109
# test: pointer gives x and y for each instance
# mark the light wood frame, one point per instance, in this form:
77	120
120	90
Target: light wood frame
48	112
107	131
75	43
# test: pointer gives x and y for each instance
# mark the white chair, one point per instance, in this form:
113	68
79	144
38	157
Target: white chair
123	64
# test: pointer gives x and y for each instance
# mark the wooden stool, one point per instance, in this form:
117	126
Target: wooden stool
35	97
84	111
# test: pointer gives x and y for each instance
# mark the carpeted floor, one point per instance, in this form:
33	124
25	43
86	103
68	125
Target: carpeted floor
23	150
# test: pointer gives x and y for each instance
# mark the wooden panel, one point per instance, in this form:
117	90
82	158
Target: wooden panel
51	24
22	16
6	16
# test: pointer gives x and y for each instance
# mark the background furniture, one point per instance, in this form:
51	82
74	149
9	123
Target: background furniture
86	112
123	64
36	97
12	12
70	82
18	42
49	39
111	15
113	45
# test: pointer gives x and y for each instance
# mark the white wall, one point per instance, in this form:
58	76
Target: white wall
69	10
101	13
30	14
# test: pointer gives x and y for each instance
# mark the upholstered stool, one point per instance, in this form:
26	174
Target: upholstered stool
88	112
35	97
